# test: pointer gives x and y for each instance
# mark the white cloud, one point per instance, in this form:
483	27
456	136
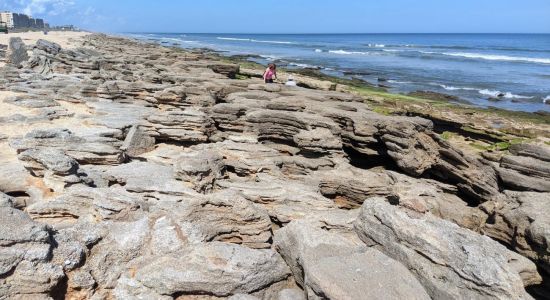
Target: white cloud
42	7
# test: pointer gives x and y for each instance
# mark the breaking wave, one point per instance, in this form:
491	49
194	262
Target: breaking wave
253	40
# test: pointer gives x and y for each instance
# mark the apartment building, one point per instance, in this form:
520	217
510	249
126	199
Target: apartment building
7	18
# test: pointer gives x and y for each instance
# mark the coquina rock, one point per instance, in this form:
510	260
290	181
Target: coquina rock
527	169
522	222
449	261
25	257
329	266
17	52
214	268
129	170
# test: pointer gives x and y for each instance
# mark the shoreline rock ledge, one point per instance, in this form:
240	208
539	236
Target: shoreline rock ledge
135	171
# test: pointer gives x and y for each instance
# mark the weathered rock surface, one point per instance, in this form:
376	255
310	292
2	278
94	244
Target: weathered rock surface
200	169
527	169
25	257
137	142
522	222
215	268
450	262
330	266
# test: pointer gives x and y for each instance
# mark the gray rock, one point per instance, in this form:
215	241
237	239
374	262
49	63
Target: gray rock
218	269
525	173
330	266
89	150
441	200
6	200
243	297
230	70
48	47
17	52
369	275
522	222
531	150
285	200
291	294
349	187
32	103
81	202
224	216
39	160
319	140
189	125
449	261
147	178
137	142
200	170
25	253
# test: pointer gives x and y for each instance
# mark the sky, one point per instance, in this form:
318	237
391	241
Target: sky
293	16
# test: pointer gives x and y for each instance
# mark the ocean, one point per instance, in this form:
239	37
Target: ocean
510	71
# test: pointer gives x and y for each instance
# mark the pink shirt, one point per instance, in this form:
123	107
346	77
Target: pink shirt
269	73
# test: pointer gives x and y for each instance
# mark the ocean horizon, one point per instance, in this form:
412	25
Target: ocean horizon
504	70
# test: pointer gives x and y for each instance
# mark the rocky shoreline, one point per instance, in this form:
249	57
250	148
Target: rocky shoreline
135	171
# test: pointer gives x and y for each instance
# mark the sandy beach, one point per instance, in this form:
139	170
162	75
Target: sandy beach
66	39
129	170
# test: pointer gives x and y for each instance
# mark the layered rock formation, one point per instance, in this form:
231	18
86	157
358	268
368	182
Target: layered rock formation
133	171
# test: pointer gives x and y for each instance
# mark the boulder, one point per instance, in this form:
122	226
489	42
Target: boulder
522	222
188	126
525	173
439	199
449	261
85	203
200	170
330	266
230	70
48	47
40	160
25	254
224	216
137	142
350	186
88	150
215	268
17	52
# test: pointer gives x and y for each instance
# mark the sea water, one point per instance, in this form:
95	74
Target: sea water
510	71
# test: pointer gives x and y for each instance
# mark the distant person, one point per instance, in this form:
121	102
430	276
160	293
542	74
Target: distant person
270	73
290	81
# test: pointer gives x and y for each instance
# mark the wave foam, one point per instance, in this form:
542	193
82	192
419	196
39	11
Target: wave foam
495	57
499	94
453	88
318	50
304	65
343	52
546	100
253	40
232	39
376	45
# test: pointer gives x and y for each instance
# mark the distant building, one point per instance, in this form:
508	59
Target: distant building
65	28
7	17
39	23
15	20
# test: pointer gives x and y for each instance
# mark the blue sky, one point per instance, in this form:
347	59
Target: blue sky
293	16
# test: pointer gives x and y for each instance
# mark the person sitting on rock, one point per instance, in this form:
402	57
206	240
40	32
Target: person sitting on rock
270	73
290	81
